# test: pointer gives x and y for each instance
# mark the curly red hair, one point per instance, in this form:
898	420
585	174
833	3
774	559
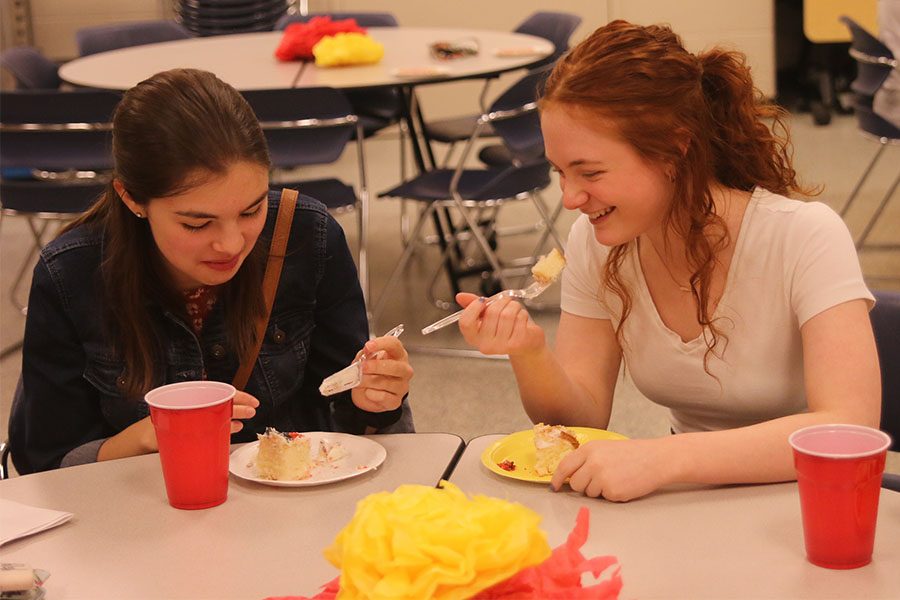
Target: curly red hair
699	115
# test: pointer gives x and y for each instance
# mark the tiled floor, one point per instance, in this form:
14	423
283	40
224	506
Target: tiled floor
475	396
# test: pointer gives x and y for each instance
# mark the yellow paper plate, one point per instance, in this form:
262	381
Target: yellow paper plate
519	448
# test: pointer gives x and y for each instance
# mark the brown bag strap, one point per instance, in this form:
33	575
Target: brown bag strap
270	280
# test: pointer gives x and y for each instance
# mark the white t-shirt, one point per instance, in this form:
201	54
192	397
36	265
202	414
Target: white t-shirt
792	260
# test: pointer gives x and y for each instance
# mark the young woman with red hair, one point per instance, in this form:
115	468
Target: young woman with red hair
740	309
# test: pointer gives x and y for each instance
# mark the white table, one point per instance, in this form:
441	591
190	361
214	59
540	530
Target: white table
247	61
725	542
126	542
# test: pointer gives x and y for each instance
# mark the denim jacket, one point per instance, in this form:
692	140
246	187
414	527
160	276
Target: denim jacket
70	399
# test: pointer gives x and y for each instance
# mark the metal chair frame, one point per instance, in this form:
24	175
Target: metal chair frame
67	177
453	242
865	87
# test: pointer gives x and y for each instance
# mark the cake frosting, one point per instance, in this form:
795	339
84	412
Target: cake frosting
283	456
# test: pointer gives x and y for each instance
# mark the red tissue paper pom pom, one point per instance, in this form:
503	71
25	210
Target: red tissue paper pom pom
299	38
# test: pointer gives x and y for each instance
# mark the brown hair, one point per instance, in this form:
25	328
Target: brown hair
167	130
699	114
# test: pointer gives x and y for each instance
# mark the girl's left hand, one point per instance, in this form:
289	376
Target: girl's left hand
618	470
385	380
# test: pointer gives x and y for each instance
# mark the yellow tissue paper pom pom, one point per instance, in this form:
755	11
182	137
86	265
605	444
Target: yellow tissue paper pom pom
422	542
347	49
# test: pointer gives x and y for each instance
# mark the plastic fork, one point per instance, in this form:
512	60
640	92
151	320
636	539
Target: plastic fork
350	376
532	291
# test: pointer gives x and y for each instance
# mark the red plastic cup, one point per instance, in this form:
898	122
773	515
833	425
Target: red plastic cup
839	471
193	430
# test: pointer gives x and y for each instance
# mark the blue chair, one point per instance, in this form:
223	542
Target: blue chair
556	27
56	158
312	126
377	108
103	38
886	325
31	69
476	194
874	62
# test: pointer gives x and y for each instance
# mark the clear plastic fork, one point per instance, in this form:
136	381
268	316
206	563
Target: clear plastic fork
351	376
532	291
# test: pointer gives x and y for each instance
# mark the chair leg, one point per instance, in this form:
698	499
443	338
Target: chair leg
448	155
874	218
37	234
401	264
481	240
362	216
454	244
862	180
549	222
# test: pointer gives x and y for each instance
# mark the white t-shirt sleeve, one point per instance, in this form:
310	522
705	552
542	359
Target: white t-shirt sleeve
822	265
581	278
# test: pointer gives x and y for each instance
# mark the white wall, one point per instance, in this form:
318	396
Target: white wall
747	26
54	22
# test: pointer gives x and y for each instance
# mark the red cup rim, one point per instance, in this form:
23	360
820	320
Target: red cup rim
792	440
225	387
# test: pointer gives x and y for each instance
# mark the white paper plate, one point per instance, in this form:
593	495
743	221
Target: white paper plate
363	455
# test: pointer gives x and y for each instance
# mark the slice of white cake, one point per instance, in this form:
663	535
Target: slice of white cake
551	444
547	269
283	456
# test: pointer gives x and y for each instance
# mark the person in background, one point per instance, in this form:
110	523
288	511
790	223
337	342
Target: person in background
886	103
161	281
741	310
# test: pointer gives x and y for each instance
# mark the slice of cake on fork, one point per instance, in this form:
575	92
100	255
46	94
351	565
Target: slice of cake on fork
547	269
551	444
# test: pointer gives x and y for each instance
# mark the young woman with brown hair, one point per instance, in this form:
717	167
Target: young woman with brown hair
161	281
741	310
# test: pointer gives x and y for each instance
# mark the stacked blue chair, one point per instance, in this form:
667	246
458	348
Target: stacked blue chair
874	62
218	17
61	142
103	38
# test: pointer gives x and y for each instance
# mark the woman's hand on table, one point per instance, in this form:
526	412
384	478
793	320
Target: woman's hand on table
385	378
617	470
501	327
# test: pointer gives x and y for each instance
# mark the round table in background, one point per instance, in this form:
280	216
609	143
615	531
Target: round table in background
247	61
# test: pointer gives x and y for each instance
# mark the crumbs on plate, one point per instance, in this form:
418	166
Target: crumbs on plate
507	465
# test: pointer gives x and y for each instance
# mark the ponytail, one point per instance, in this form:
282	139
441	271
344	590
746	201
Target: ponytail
750	143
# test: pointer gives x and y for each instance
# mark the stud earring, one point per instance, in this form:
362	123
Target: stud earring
139	215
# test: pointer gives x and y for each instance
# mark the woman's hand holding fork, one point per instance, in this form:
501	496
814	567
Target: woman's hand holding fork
499	327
